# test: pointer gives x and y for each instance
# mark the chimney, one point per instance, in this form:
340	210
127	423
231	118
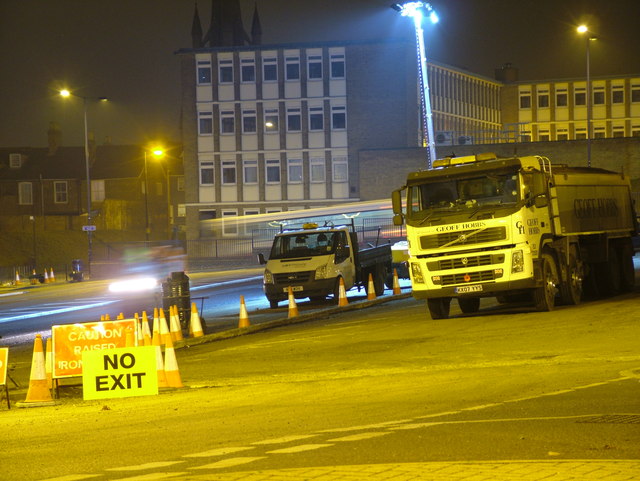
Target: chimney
507	73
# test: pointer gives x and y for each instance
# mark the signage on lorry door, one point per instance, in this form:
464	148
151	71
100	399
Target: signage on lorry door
69	341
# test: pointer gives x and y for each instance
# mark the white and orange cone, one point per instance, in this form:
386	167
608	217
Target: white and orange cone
342	297
48	364
195	326
46	277
396	283
174	324
171	370
162	377
38	393
130	337
244	316
165	335
371	290
34	278
293	307
146	332
52	277
17	278
155	338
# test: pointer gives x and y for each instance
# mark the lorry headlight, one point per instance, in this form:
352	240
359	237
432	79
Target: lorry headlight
416	273
517	261
321	272
268	277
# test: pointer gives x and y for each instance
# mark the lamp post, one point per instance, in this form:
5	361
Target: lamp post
89	228
157	153
416	10
584	30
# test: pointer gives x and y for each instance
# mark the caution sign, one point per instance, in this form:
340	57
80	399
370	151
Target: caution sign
124	372
4	360
70	341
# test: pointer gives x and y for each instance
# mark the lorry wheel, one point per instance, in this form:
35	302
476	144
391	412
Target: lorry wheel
469	305
608	274
627	273
544	296
439	308
571	291
273	304
378	281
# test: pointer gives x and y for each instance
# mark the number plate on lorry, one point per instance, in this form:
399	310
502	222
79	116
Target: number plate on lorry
293	288
462	289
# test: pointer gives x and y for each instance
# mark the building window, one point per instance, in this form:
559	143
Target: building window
314	67
204	73
294	169
340	169
97	191
317	169
250	170
228	172
247	70
599	133
227	122
269	69
543	99
229	222
273	171
25	193
225	71
617	95
525	100
205	123
294	120
337	66
561	98
635	131
338	118
562	134
543	136
249	122
271	120
180	183
598	96
206	172
292	68
316	118
580	97
635	93
618	131
61	192
581	133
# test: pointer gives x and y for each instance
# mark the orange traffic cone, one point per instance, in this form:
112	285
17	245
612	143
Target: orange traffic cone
34	278
293	307
17	278
146	332
174	324
396	283
48	363
38	393
46	277
107	317
164	328
162	377
130	337
342	298
244	317
52	277
195	326
171	366
371	290
155	339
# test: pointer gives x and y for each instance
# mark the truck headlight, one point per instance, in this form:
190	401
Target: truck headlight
517	261
268	277
321	272
416	273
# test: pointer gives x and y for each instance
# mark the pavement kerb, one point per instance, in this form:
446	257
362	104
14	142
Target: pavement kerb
263	326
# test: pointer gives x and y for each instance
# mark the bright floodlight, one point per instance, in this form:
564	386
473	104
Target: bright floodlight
158	152
415	10
65	93
582	29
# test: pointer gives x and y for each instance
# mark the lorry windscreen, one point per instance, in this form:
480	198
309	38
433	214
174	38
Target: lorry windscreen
305	244
494	189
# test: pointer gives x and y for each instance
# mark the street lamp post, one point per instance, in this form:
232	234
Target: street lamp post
157	152
89	227
583	29
416	11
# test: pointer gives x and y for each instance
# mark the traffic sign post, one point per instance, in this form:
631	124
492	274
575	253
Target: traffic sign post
88	228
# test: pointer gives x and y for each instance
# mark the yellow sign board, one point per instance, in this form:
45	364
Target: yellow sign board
121	372
4	359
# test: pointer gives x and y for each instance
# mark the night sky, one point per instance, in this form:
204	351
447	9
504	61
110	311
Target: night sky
124	50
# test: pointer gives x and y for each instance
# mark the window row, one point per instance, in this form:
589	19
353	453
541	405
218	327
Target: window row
60	192
579	96
248	120
273	171
246	69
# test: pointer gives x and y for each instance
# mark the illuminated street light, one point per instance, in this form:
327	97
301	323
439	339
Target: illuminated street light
417	11
582	30
157	153
89	227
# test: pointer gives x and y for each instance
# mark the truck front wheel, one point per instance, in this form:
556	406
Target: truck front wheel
571	291
469	305
545	295
439	308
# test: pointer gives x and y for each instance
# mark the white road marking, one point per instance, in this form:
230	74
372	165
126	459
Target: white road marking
227	463
286	439
218	452
366	426
359	437
152	476
299	449
143	467
72	477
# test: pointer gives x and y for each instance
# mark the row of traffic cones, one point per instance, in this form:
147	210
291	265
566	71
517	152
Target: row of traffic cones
48	277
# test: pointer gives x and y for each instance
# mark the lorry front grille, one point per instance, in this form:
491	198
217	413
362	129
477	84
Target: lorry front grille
474	277
462	262
463	238
291	278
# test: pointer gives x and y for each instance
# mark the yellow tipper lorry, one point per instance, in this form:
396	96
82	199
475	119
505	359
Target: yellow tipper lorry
514	228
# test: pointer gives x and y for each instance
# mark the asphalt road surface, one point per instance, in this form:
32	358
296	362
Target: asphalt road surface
369	393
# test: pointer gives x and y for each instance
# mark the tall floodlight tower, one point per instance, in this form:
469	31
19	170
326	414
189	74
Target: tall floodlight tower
417	11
